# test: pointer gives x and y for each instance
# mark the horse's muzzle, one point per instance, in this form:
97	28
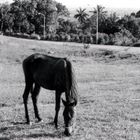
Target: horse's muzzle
68	131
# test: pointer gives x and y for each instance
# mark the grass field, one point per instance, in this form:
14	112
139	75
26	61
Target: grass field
108	80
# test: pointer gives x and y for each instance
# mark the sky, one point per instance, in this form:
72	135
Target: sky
133	4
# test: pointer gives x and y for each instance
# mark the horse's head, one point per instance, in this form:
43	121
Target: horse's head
69	116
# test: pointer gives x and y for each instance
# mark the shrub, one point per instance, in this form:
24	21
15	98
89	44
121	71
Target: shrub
85	39
93	38
26	35
48	37
7	33
35	36
1	33
81	38
18	35
72	37
103	38
111	39
67	37
124	38
136	44
57	37
52	37
76	38
88	39
62	37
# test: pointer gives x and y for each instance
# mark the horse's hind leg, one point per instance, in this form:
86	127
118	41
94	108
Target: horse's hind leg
34	99
28	87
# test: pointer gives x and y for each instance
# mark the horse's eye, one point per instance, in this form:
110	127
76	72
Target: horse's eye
69	115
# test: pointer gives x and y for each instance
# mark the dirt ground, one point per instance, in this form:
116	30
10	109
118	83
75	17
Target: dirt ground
108	79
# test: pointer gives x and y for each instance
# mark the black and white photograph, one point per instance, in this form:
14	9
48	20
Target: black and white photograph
69	70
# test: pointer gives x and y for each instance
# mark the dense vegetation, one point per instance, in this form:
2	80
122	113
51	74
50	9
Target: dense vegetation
25	18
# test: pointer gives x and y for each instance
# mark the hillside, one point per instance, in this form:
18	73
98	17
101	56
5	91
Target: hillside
108	79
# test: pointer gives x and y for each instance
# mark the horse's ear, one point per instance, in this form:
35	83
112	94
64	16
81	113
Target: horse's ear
64	102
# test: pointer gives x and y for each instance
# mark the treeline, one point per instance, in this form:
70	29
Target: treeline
26	18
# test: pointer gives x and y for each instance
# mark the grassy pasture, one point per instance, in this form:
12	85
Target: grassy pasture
108	80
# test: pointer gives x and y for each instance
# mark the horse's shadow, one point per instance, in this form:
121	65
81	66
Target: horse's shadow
24	123
4	138
20	126
44	135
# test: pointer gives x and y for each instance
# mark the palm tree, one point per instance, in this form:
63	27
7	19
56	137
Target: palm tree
100	10
81	15
99	15
113	18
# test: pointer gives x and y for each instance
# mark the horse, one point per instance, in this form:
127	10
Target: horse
51	73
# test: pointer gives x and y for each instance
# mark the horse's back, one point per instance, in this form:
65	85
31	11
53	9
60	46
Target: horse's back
40	60
45	70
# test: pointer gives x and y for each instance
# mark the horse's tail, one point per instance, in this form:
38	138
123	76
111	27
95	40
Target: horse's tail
72	82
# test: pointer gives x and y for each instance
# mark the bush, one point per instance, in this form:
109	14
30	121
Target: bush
7	33
48	37
136	44
81	38
103	38
67	37
52	37
26	35
88	39
57	37
62	37
93	38
111	39
1	33
124	38
74	38
19	35
35	36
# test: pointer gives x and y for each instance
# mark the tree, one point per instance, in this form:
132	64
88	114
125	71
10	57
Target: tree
4	16
131	24
62	10
66	26
81	15
18	13
137	14
133	14
110	24
102	14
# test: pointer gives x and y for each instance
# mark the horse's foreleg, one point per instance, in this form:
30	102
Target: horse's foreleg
34	99
25	100
57	107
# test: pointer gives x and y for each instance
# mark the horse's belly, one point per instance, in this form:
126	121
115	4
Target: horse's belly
46	83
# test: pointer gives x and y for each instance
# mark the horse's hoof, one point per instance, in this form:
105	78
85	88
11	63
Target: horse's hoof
29	123
39	121
67	133
56	126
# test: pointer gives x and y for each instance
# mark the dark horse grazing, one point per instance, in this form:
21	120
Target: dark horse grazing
54	74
